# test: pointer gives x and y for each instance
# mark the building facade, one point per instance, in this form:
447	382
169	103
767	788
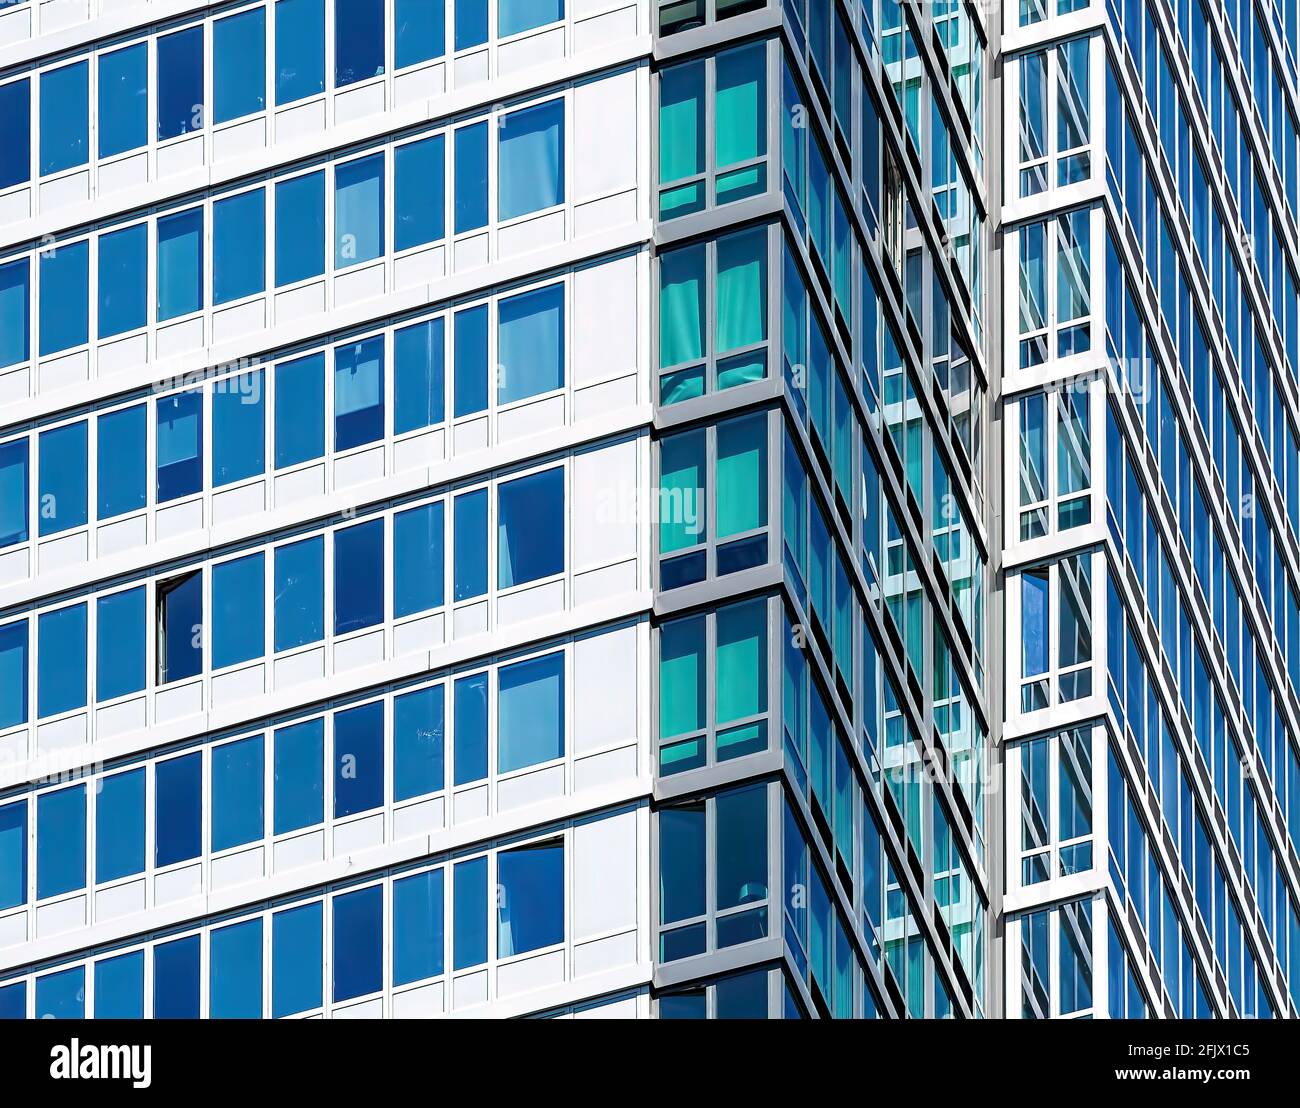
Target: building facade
652	508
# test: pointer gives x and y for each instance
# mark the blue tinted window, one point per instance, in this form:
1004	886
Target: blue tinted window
515	16
180	82
419	34
178	809
180	603
358	577
299	593
61	660
61	841
417	560
358	393
238	246
299	776
16	133
238	428
469	908
359	211
682	892
13	854
530	341
62	490
180	445
471	176
530	528
418	376
418	743
176	979
235	975
530	898
471	23
470	545
119	987
531	160
62	995
180	264
238	610
119	644
297	960
299	410
470	329
13	1001
299	49
65	117
65	297
470	734
358	40
14	485
13	674
119	826
123	100
239	65
120	447
15	302
530	712
358	943
418	201
358	760
417	927
123	278
238	773
299	228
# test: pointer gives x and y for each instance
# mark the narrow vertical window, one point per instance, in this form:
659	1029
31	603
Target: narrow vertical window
64	297
15	311
681	140
239	65
358	40
123	121
740	124
238	246
65	117
180	83
299	229
299	49
15	133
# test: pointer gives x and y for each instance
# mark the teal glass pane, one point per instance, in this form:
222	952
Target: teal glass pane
742	290
741	661
681	492
681	122
742	475
740	125
681	677
681	305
